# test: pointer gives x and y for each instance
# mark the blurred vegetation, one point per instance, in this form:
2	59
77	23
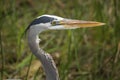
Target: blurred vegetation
81	54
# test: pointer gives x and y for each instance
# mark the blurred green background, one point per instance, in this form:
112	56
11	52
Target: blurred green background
81	54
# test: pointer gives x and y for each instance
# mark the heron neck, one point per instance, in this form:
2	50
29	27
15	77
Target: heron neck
45	58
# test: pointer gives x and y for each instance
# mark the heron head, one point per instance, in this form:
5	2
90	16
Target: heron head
46	22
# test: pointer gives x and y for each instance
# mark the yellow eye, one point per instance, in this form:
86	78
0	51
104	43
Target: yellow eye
53	23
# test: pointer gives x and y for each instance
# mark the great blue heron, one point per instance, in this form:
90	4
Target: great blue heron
51	22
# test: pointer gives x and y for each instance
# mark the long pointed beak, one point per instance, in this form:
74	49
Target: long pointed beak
68	23
73	24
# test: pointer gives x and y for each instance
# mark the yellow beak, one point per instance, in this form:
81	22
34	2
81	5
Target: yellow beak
68	23
73	24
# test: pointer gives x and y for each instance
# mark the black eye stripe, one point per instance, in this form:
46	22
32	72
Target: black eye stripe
43	19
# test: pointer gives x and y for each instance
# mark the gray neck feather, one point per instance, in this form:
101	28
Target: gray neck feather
45	58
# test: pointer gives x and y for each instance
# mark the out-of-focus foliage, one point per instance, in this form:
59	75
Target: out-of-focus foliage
81	54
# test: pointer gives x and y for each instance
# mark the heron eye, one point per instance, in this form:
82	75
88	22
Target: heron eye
53	23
